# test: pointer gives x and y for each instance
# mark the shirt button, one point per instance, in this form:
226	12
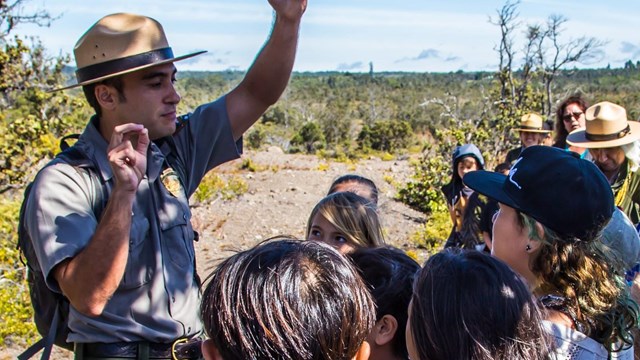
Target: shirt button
184	216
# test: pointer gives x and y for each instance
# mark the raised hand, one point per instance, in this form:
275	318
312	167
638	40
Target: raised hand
127	155
289	9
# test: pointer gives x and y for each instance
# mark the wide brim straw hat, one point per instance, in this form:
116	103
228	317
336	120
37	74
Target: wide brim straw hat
532	122
606	126
119	44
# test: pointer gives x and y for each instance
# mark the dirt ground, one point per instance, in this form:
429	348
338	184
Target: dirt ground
281	194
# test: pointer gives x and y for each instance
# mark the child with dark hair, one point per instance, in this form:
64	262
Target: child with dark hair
389	273
469	305
464	204
287	299
356	184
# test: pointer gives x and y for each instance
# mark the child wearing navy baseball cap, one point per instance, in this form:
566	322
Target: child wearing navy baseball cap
553	208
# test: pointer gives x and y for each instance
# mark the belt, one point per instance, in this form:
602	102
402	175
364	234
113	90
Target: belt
187	349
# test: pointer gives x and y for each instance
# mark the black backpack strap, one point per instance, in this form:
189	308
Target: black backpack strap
45	343
64	144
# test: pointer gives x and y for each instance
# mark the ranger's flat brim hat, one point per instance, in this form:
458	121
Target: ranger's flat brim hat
607	126
119	44
532	122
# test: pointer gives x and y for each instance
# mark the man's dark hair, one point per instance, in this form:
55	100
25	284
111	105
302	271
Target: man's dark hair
389	273
287	299
89	92
363	182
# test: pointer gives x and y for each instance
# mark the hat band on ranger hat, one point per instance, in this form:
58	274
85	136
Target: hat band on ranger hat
530	127
605	137
95	71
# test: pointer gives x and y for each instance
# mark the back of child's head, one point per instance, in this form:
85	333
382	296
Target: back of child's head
357	184
389	273
287	299
469	305
352	216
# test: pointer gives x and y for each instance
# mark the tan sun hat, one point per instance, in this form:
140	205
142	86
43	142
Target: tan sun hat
532	122
606	126
118	44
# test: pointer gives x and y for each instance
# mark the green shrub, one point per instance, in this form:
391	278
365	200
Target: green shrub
308	139
213	185
385	135
423	193
255	136
16	313
433	234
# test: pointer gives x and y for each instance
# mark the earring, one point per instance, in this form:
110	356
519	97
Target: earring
528	247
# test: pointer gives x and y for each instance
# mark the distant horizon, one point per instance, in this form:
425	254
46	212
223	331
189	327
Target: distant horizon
346	35
71	69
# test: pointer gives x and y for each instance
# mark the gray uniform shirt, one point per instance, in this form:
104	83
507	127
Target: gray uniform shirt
158	297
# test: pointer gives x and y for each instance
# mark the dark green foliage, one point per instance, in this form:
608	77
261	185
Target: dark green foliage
385	135
255	136
308	139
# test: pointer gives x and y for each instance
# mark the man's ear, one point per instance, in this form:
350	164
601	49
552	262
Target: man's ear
385	330
210	351
107	96
363	352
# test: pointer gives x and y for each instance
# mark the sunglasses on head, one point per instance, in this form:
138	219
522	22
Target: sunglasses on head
575	114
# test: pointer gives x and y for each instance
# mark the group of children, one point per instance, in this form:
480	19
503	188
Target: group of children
347	295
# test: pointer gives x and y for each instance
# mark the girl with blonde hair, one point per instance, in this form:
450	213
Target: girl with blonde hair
345	221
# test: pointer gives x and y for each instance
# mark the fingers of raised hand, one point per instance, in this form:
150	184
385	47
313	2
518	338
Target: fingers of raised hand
126	132
291	9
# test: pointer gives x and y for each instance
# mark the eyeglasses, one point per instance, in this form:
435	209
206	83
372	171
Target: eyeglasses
575	114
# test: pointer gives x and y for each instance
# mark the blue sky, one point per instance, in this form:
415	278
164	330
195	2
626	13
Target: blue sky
400	35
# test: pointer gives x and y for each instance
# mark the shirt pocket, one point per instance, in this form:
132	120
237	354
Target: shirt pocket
139	269
177	240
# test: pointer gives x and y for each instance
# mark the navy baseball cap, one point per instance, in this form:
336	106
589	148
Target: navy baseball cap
567	194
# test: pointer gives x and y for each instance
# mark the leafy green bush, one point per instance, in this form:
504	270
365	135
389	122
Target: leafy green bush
385	135
255	136
423	193
309	139
433	234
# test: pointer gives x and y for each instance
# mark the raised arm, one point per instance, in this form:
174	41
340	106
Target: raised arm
270	72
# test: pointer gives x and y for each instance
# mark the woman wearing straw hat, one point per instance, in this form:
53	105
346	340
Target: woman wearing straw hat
129	273
532	132
612	141
553	209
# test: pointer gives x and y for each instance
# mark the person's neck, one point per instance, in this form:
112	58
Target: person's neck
384	352
576	149
612	176
104	127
